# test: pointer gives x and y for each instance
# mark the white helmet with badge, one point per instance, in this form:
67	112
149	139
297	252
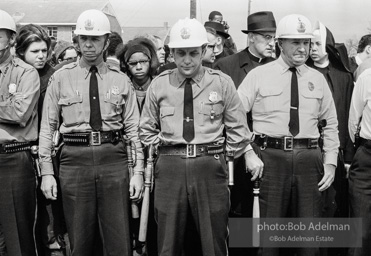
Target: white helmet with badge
6	21
294	26
187	33
92	23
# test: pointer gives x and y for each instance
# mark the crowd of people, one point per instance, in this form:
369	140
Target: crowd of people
82	121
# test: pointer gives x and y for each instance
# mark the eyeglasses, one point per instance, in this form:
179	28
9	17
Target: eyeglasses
267	38
141	62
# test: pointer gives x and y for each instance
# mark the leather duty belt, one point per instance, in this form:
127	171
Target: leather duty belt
191	150
285	143
14	147
91	138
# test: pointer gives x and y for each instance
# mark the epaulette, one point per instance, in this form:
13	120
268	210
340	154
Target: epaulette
19	62
114	68
166	72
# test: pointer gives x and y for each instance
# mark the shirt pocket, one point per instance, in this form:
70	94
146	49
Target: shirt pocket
270	100
72	111
310	101
211	116
114	105
167	120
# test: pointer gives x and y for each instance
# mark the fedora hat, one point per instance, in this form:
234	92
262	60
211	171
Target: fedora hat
219	28
260	21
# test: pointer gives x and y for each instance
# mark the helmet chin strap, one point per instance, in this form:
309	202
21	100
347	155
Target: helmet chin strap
4	49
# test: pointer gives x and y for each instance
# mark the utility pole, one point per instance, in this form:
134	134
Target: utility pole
248	13
193	13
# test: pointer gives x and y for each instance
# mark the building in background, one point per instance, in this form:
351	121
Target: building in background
58	17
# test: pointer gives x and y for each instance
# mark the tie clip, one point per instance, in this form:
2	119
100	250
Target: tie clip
188	119
293	107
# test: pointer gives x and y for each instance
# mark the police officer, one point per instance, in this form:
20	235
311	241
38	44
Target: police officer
19	93
97	107
185	112
360	169
287	100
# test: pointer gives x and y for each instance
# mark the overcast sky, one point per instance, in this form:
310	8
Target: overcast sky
345	18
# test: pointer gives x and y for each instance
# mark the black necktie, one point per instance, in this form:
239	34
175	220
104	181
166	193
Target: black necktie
95	116
188	127
294	108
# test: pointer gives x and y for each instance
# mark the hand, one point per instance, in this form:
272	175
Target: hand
328	177
49	187
136	187
254	164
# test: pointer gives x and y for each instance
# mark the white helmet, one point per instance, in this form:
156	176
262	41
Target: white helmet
92	23
6	21
294	26
187	33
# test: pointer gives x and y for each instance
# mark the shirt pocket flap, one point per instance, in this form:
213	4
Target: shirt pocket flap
311	93
70	101
116	99
270	91
208	108
167	111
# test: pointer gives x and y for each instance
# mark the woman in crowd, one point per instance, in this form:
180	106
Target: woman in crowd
33	47
139	61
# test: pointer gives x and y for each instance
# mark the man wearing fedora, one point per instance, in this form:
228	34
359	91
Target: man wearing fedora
222	51
261	28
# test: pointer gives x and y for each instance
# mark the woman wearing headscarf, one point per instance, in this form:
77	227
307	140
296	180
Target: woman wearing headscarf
33	47
139	61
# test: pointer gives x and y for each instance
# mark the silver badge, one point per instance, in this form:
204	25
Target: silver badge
115	90
12	88
213	97
310	86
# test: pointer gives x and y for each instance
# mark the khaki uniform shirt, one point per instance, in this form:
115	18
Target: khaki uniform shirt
19	94
216	106
360	106
266	90
68	96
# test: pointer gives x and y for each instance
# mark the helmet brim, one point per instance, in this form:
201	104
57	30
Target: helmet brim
304	36
91	33
185	45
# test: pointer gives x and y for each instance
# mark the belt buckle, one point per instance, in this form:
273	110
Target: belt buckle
288	143
191	150
95	139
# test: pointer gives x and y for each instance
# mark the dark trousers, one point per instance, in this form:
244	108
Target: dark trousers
18	203
360	196
195	188
289	188
95	192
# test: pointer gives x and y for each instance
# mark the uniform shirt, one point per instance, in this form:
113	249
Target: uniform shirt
266	90
68	96
19	93
360	106
215	104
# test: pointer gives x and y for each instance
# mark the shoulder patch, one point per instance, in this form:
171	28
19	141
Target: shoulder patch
114	68
18	62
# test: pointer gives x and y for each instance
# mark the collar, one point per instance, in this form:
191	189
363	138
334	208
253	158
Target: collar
179	78
323	65
142	87
86	67
358	60
285	67
253	57
3	65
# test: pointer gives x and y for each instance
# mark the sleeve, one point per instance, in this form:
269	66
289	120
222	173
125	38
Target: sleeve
22	103
357	104
49	124
349	147
239	136
331	134
149	127
246	91
131	122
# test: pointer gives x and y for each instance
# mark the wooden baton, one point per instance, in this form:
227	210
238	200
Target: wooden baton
148	173
256	213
